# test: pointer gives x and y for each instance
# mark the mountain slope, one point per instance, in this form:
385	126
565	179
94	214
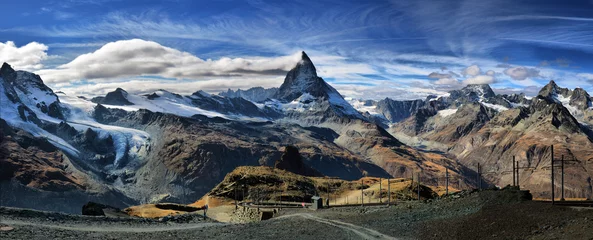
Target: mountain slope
164	146
479	128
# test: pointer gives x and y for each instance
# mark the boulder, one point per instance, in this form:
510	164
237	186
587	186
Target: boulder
97	209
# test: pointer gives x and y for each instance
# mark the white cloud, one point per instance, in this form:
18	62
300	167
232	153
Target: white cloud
27	57
522	73
480	79
588	76
490	73
129	58
438	75
472	70
447	81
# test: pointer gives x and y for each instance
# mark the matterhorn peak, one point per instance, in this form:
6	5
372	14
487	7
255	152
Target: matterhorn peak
305	66
300	79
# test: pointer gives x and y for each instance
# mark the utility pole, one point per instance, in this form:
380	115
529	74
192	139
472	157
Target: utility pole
380	191
514	171
388	192
328	193
446	181
361	192
562	181
518	177
552	167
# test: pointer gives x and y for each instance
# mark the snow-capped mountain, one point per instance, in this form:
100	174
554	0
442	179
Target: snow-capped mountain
127	148
254	94
305	96
389	111
199	103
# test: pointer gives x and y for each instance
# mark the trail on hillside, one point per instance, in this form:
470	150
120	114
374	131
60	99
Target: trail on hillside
130	229
363	232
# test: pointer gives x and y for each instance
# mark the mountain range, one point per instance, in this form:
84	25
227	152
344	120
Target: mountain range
124	149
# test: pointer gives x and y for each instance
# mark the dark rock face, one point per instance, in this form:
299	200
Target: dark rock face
226	105
152	96
96	209
255	94
117	98
472	93
580	98
292	161
517	99
551	89
561	117
395	111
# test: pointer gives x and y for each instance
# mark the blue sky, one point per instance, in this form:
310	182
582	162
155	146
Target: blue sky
366	49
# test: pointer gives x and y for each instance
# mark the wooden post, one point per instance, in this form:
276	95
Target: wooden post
236	205
446	181
327	194
388	192
552	167
562	180
514	171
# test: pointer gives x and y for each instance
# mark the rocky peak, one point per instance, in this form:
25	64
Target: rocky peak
482	90
6	70
301	79
201	93
292	161
551	90
472	93
559	115
117	97
580	98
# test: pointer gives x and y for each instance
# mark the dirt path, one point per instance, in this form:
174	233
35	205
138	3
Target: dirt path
126	229
363	232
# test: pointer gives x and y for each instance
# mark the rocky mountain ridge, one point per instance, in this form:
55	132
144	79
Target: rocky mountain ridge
166	147
479	132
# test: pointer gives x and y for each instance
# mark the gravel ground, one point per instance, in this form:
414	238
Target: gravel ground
484	215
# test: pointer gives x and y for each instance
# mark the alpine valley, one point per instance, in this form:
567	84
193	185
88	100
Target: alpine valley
123	149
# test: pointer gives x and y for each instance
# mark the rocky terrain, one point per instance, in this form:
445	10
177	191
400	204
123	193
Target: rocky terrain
164	147
124	149
505	214
477	126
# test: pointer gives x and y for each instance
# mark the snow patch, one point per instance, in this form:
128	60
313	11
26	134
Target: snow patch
362	107
496	107
447	112
565	101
